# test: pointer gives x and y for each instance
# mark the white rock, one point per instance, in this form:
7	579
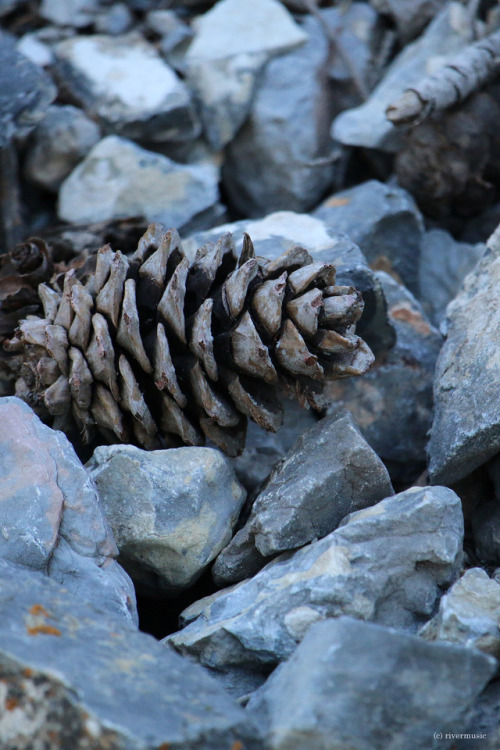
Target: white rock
123	81
233	42
119	179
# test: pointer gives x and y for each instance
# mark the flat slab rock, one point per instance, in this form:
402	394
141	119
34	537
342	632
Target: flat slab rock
330	472
124	82
171	511
26	91
384	563
466	428
71	677
119	179
356	685
50	517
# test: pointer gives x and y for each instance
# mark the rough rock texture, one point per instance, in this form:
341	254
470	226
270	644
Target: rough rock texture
26	91
384	221
59	142
232	44
264	449
329	472
367	124
392	404
356	685
410	16
466	428
483	727
124	83
281	230
71	677
469	614
284	157
171	511
385	563
444	263
485	522
51	520
119	179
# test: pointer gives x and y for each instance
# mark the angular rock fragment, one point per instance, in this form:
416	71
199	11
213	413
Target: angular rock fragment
384	221
469	614
122	81
171	511
73	677
385	563
118	179
232	43
466	428
485	522
51	519
392	404
329	472
356	685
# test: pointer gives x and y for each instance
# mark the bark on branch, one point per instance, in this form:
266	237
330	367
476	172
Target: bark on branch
466	72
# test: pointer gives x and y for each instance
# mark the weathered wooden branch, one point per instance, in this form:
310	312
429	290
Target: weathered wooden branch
465	73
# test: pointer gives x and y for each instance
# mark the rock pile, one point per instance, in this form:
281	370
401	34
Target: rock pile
337	585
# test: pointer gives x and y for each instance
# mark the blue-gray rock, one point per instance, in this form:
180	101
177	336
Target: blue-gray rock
384	221
77	13
392	403
281	230
469	614
466	428
61	140
175	34
119	179
367	125
409	16
444	263
26	92
283	157
72	677
356	685
51	520
329	472
115	19
483	729
232	43
171	511
385	563
123	81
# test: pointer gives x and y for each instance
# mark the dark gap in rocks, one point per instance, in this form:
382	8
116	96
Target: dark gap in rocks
160	616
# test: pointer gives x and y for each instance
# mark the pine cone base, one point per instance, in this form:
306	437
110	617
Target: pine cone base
154	350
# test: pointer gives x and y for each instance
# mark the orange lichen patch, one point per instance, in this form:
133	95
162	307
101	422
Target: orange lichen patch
164	746
38	609
406	315
11	704
333	203
237	745
383	263
27	672
45	629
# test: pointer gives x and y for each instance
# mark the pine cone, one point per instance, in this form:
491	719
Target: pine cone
154	350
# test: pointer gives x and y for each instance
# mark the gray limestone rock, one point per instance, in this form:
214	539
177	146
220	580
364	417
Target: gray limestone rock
119	179
26	92
283	157
75	13
469	614
485	522
62	139
466	428
51	519
367	124
329	472
171	511
123	81
356	685
392	403
410	16
279	231
444	263
483	729
232	43
385	563
72	677
384	221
